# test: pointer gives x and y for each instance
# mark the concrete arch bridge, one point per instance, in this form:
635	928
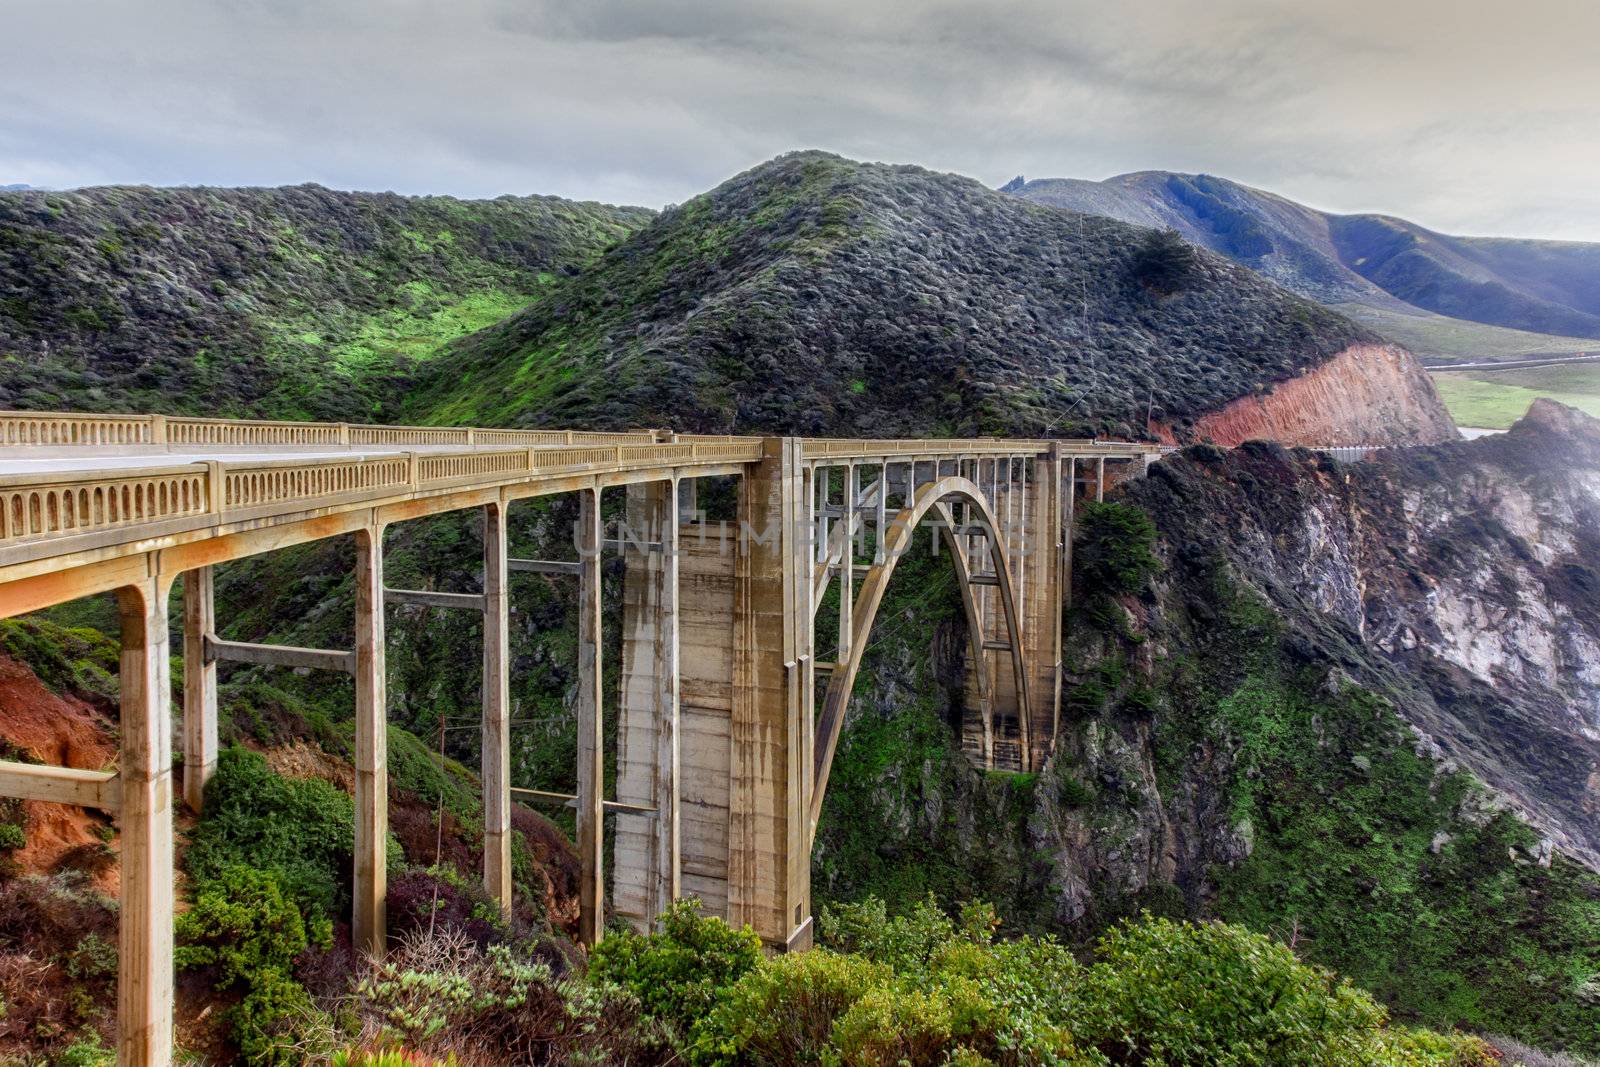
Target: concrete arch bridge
728	718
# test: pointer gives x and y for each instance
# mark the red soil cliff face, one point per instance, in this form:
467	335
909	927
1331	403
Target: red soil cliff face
63	731
1368	394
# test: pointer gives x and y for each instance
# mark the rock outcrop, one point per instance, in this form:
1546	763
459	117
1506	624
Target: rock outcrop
1357	706
1367	394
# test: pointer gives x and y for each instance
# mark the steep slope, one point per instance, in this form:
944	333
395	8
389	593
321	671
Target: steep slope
815	294
1354	705
288	303
1398	269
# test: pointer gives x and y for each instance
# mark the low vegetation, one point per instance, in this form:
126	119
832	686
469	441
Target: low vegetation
817	295
1494	400
297	302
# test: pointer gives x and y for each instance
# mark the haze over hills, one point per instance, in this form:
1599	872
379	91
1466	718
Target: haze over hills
814	293
1444	296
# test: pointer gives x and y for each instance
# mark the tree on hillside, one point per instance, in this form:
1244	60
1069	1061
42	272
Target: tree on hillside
1164	262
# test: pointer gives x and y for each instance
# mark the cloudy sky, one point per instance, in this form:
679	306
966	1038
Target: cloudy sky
1465	115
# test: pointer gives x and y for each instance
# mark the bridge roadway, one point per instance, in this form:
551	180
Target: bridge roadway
730	702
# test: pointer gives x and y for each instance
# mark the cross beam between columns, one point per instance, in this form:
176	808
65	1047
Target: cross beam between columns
317	659
427	598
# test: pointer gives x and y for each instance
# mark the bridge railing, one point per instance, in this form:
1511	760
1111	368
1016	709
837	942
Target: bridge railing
818	448
73	430
39	509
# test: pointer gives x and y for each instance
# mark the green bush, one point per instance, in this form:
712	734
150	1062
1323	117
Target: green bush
87	1051
678	972
919	988
245	927
784	1011
1184	993
1115	548
303	831
924	988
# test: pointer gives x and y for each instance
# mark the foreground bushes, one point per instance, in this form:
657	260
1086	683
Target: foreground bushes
301	830
923	989
246	930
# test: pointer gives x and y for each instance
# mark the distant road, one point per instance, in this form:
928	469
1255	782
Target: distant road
1513	364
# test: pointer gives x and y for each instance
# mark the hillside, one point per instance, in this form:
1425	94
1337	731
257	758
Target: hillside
296	302
815	294
1353	705
1422	289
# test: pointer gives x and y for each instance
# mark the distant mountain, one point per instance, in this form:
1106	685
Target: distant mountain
14	188
1395	275
815	294
285	303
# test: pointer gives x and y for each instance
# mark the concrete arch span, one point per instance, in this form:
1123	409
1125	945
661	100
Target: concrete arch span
934	497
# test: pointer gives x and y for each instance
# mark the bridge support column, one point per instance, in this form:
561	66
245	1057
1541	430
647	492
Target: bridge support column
199	686
591	738
496	710
646	847
145	960
368	919
771	735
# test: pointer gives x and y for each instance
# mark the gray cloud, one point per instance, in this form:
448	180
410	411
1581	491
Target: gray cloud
1467	116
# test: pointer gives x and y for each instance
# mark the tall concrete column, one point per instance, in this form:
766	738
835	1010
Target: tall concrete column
669	859
496	710
771	756
368	920
645	853
144	975
199	686
591	738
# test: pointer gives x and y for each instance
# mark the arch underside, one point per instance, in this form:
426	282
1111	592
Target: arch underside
934	498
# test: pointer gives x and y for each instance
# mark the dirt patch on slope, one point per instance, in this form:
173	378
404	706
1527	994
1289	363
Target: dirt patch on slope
62	731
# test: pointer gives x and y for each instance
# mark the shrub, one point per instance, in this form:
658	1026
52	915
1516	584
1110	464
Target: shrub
924	988
441	898
387	1058
303	831
1114	551
439	995
86	1052
679	972
1164	262
918	988
246	929
1185	993
783	1012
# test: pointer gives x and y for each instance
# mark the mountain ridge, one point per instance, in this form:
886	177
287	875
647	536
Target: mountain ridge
816	292
1377	261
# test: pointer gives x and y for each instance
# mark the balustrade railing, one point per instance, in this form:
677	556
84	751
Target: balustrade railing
49	505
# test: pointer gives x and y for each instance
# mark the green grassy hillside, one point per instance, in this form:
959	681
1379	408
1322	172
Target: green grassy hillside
1494	400
814	294
297	302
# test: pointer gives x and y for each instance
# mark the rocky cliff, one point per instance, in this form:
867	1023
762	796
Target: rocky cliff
1354	705
1365	394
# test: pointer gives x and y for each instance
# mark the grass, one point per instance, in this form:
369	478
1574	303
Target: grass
1442	337
1495	399
425	323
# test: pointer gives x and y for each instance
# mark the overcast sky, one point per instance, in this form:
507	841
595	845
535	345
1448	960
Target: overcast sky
1464	115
